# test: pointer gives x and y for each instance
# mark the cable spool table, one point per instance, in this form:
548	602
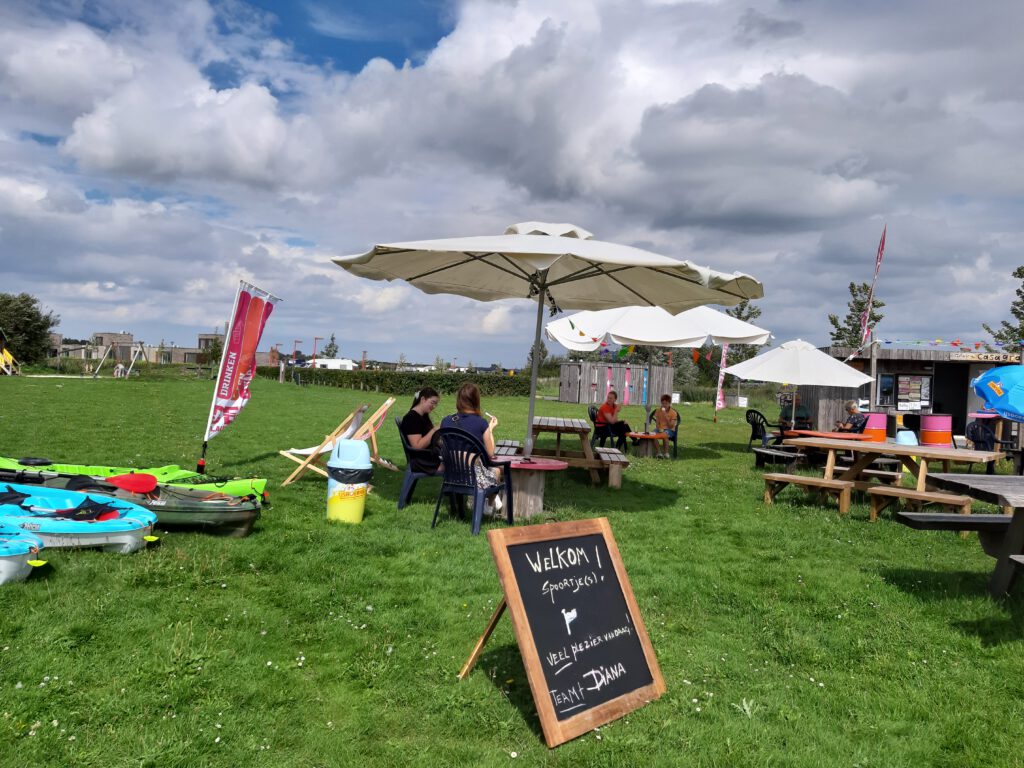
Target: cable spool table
528	482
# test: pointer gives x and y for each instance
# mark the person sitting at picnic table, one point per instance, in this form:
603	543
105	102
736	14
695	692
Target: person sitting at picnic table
469	417
608	424
666	421
420	431
803	416
854	420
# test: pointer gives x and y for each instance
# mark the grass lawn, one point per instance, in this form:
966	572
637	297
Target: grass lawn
786	635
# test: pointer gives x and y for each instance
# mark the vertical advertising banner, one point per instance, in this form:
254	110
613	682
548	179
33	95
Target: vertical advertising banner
720	396
238	363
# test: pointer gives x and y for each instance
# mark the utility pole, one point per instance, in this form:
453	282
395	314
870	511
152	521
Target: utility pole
315	340
362	366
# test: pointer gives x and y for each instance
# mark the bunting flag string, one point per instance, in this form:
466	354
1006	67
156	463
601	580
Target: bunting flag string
955	343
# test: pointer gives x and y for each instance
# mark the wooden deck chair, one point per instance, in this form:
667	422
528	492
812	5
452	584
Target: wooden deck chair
354	427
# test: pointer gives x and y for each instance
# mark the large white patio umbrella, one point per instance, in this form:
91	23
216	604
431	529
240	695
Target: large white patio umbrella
652	326
556	263
801	364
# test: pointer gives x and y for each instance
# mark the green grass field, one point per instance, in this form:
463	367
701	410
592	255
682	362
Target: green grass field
787	636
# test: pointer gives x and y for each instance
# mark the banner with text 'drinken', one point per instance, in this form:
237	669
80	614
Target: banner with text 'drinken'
238	362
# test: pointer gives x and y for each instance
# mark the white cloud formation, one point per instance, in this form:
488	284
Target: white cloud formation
773	138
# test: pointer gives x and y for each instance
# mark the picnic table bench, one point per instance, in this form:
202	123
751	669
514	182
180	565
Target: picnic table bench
1001	536
883	495
842	489
764	456
594	460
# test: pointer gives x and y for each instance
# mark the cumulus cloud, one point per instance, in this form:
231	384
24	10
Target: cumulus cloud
196	146
497	321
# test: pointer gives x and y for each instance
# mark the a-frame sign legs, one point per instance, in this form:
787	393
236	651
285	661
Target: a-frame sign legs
479	647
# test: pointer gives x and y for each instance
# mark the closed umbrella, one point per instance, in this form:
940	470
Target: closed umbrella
652	326
801	364
560	264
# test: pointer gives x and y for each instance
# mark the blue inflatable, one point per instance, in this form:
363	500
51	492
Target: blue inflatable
67	519
17	548
1002	389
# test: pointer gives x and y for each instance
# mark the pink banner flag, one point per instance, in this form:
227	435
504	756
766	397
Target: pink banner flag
865	317
720	396
238	363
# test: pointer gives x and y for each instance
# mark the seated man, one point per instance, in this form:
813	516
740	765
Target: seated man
854	420
666	420
803	416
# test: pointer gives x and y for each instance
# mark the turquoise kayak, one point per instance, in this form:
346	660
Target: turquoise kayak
17	548
173	505
69	520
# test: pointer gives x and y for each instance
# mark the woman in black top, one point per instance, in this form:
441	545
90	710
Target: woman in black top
419	430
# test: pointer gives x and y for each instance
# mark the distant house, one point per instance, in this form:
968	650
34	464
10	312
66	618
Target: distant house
334	363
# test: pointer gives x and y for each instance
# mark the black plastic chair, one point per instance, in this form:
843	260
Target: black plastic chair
461	453
983	438
601	433
412	476
759	428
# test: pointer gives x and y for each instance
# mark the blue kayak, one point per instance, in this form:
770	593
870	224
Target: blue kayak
68	519
17	548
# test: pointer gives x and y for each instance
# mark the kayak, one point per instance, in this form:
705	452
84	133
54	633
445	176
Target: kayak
17	549
172	505
172	474
68	520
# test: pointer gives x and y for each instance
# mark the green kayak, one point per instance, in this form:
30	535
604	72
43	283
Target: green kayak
172	474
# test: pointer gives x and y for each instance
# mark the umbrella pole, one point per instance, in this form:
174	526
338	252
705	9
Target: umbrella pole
528	442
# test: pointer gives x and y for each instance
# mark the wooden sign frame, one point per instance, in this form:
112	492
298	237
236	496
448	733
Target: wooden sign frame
560	731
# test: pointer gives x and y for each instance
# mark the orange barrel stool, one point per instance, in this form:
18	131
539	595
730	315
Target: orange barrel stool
875	427
937	429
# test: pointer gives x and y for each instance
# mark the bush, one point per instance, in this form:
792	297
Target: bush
407	382
697	394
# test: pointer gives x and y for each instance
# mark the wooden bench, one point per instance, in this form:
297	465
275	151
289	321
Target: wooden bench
884	495
843	489
763	456
991	528
615	461
507	448
611	460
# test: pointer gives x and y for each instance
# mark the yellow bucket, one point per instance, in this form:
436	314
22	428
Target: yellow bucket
346	502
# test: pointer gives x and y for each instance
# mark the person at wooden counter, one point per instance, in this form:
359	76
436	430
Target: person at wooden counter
854	421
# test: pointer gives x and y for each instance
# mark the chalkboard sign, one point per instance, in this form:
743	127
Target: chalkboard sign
587	654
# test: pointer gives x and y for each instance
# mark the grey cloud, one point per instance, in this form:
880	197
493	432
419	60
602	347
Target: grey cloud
754	26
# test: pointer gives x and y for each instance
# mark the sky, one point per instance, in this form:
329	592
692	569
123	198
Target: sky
152	154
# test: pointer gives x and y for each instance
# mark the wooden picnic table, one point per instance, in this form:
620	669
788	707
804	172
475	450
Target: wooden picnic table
1006	541
586	458
915	458
646	442
857	436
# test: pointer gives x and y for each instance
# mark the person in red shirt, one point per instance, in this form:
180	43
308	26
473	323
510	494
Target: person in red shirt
608	424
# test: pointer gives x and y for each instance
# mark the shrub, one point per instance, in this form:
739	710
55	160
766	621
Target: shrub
407	382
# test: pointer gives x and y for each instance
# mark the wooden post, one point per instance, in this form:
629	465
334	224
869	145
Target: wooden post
479	647
874	372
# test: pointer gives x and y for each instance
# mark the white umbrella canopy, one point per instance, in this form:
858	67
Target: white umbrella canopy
799	363
652	326
557	263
